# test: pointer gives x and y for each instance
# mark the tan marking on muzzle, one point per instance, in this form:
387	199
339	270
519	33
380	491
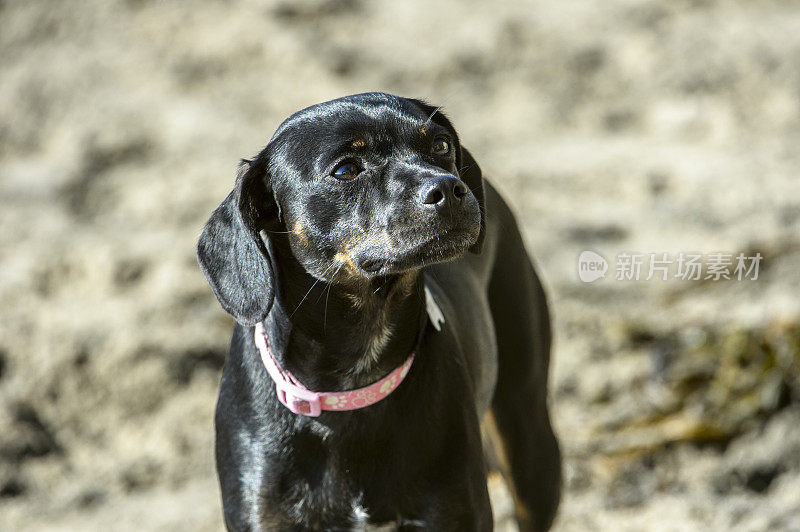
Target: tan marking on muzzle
346	258
300	231
355	243
423	130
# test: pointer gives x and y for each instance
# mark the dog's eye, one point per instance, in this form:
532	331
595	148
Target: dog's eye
441	146
346	171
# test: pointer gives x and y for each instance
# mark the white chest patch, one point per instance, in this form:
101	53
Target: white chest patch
434	312
362	522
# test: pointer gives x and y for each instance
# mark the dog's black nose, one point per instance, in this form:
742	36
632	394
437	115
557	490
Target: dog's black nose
443	192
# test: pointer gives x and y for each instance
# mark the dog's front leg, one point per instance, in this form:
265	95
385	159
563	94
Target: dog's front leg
241	477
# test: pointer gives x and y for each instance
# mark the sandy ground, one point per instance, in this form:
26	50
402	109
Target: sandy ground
617	126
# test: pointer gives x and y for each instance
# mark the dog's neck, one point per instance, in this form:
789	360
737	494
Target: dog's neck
339	336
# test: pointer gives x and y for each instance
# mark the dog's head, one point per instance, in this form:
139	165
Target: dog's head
366	186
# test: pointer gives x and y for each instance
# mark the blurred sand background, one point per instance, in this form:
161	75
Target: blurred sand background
622	125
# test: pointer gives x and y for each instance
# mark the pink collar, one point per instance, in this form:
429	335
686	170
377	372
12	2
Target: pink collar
301	400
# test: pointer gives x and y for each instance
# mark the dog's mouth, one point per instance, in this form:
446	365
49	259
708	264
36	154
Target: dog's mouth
412	249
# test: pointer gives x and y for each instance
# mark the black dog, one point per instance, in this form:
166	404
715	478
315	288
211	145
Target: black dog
334	234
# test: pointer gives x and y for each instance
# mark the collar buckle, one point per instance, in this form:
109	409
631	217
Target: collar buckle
298	400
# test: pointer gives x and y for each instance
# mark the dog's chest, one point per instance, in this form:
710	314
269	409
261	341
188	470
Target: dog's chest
364	522
326	509
329	481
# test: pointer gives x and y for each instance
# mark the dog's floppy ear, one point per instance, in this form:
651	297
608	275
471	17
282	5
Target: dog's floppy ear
468	170
471	174
231	252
